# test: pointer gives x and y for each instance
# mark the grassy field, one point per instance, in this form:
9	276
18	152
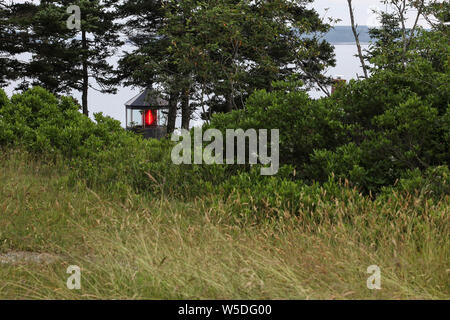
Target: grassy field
134	246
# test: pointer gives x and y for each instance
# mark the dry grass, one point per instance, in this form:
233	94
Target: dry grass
163	249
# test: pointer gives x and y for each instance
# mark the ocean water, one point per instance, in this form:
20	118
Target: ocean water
348	67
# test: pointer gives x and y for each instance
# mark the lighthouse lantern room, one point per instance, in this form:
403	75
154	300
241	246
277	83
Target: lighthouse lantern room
146	114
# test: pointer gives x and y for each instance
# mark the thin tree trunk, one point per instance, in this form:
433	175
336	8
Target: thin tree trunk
358	44
185	110
172	116
84	97
420	7
229	102
404	39
401	9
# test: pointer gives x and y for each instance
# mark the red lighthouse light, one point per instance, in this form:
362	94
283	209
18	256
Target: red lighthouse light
149	118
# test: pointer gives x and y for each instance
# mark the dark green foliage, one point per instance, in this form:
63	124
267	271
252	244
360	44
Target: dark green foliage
218	53
397	120
11	40
304	124
388	133
3	99
100	152
105	156
61	59
434	182
370	132
384	50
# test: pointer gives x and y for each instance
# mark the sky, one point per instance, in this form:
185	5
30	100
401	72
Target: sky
338	9
347	65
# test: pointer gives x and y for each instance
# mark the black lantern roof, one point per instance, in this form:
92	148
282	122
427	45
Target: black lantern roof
147	99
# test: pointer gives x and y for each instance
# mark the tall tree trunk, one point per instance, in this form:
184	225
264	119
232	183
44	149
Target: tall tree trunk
229	102
84	97
358	44
185	109
173	108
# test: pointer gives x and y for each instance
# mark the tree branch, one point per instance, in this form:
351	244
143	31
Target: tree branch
413	30
356	35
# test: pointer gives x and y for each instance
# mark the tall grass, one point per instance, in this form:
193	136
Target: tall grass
133	246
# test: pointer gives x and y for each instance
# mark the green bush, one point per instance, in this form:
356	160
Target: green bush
100	152
370	132
345	163
3	98
434	182
251	195
304	124
404	137
366	137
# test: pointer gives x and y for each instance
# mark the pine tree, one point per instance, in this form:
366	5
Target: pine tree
11	40
235	47
223	50
150	63
62	58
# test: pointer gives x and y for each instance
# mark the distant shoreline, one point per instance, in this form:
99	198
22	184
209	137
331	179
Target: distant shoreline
344	35
348	43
